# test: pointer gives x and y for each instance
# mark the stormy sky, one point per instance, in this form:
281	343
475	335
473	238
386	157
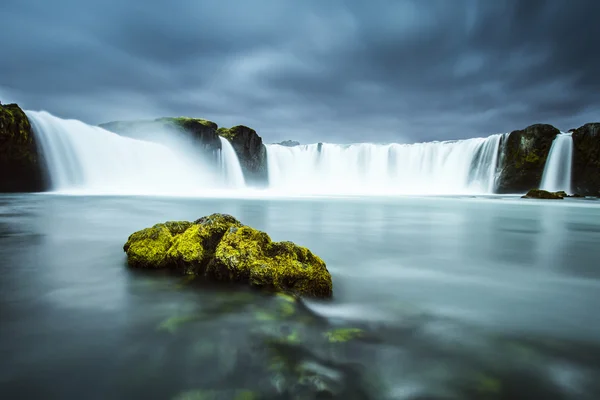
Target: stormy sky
322	70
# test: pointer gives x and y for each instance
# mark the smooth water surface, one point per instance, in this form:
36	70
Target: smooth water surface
447	298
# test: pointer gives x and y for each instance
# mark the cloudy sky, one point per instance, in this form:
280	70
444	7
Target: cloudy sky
322	70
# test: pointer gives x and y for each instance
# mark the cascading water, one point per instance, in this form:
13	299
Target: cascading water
557	171
454	167
86	159
230	165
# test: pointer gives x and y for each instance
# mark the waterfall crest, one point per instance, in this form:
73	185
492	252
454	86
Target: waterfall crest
452	167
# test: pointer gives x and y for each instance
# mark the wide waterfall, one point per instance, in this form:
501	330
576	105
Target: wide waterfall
85	159
557	171
452	167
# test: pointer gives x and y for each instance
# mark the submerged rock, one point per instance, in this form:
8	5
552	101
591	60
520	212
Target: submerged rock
20	161
251	152
544	194
221	248
524	157
586	159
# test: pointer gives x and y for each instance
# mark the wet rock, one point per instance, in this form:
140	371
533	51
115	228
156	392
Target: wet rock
221	248
524	155
251	152
544	194
586	160
20	162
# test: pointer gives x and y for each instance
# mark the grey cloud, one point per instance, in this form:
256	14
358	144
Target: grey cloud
341	71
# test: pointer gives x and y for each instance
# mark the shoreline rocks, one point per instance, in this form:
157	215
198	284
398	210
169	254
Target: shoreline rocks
220	248
20	161
544	194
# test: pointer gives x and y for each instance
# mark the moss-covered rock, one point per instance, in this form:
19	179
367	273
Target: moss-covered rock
20	162
148	248
195	248
524	155
219	247
246	254
251	152
544	194
586	160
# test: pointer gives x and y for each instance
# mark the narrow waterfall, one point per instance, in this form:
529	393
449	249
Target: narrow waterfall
230	165
452	167
557	171
87	159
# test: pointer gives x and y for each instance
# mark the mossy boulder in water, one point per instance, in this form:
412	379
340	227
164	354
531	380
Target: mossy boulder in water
251	152
524	154
221	248
544	194
20	161
586	159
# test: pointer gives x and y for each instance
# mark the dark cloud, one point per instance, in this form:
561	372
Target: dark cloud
313	70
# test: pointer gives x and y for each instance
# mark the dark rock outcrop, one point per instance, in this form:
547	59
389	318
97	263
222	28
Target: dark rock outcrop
203	133
20	161
586	160
251	152
289	143
220	248
524	157
544	194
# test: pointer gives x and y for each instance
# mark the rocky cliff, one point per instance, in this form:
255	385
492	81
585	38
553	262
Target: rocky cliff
251	152
586	160
523	157
20	161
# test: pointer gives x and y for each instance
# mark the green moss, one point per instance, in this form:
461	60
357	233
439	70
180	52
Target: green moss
177	227
226	133
186	121
187	250
148	248
343	334
172	324
248	254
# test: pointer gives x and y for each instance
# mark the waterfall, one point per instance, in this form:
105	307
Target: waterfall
86	159
230	165
452	167
557	171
